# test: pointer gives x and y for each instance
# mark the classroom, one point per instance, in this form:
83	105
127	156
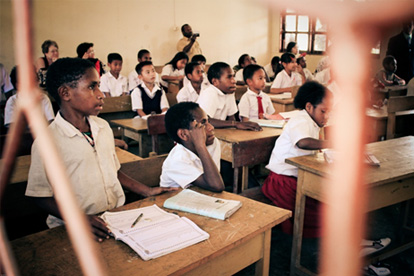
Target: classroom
261	29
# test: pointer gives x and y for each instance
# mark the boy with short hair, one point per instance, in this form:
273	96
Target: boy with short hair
255	104
148	97
387	75
113	84
86	144
133	79
195	159
200	59
301	61
243	61
191	91
218	99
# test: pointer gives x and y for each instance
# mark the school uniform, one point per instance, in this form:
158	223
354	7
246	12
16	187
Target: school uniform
92	170
148	101
249	104
115	86
134	80
187	94
280	185
216	104
204	84
182	166
269	71
12	102
168	70
283	80
239	75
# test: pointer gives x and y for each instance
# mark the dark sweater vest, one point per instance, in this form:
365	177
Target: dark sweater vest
151	105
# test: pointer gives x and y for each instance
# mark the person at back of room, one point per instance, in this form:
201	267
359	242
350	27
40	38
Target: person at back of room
173	71
387	74
85	50
200	59
288	77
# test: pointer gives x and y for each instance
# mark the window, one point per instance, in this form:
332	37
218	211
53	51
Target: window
309	33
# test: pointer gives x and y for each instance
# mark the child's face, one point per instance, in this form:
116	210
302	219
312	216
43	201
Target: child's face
148	74
290	67
227	82
86	98
320	113
90	53
115	67
203	65
302	62
391	66
145	57
197	75
53	53
258	81
181	64
201	117
247	61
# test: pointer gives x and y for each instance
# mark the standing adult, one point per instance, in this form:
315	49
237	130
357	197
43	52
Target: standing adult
188	43
401	47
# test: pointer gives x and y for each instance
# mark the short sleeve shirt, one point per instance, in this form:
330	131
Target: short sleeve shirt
136	98
112	85
249	106
283	80
217	104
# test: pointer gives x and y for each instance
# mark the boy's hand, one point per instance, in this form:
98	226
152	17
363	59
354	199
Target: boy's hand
197	135
121	144
99	228
248	126
159	190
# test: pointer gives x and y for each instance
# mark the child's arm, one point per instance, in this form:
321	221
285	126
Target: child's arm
210	179
244	119
384	79
312	144
141	112
399	80
164	110
139	188
232	123
99	228
172	78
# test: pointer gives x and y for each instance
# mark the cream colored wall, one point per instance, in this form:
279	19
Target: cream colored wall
228	28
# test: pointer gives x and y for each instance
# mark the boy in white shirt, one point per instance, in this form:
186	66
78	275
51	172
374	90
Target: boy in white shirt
200	59
243	61
133	79
191	91
218	99
148	97
195	160
255	104
113	84
287	78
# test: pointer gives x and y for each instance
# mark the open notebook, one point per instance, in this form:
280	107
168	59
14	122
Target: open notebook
155	233
204	205
269	123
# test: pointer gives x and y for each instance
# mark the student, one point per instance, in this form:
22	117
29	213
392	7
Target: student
200	59
300	136
148	97
85	51
292	48
255	104
191	91
113	84
174	70
133	79
301	61
387	75
86	144
273	68
218	99
195	159
11	103
287	78
243	61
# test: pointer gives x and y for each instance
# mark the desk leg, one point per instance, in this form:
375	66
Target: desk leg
245	178
298	226
236	180
262	266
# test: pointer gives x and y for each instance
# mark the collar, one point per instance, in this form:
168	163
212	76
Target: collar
154	89
309	118
250	92
71	131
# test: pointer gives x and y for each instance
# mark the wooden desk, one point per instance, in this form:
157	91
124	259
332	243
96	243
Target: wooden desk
389	184
21	168
244	148
234	244
378	118
283	105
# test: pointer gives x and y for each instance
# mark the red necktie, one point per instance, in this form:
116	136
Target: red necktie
259	103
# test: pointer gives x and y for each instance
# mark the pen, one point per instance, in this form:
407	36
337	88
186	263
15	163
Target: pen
136	221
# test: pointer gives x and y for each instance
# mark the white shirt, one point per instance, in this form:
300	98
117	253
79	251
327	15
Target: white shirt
5	84
12	103
92	171
204	84
239	75
216	104
187	94
168	70
269	70
323	76
249	106
283	80
182	166
308	75
115	86
298	127
136	98
134	80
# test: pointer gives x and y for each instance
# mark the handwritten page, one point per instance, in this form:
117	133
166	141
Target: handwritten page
157	232
196	203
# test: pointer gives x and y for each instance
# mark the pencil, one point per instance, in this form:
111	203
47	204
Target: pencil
136	221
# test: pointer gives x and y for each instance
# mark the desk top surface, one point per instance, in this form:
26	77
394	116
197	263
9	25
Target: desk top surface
382	113
50	252
134	124
396	158
232	135
283	101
